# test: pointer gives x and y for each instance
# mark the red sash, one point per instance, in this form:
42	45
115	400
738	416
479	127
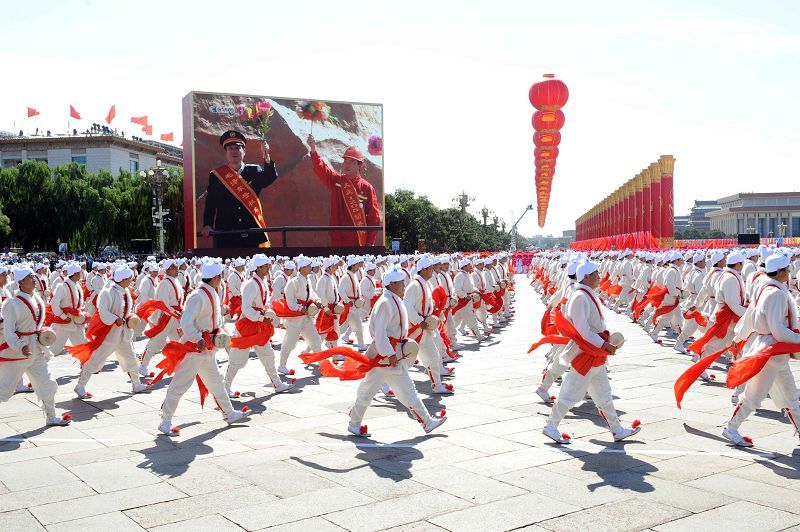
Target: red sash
354	209
242	191
723	318
50	318
696	316
282	309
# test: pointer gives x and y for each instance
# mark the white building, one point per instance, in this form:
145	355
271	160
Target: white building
770	214
109	152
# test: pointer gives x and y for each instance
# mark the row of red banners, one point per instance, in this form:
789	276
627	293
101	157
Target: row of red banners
643	204
714	243
638	240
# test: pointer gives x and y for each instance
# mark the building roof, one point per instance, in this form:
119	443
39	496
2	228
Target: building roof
91	141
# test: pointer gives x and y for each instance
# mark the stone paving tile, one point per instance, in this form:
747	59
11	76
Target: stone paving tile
394	512
317	524
564	488
303	506
217	523
466	485
49	494
19	521
18	476
174	511
749	490
506	514
732	517
116	521
114	475
618	516
92	505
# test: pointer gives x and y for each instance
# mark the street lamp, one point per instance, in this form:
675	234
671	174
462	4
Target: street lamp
158	178
751	229
782	229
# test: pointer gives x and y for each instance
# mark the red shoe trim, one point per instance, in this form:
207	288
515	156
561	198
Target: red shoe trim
66	417
748	439
635	423
245	409
291	372
363	430
175	430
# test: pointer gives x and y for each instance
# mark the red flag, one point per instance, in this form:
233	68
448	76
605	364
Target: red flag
32	112
111	114
141	120
73	113
148	130
167	136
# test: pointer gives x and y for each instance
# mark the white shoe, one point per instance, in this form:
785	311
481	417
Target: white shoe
653	336
282	387
80	390
544	396
463	331
455	346
231	393
62	421
734	399
360	347
143	371
24	388
337	358
705	377
442	389
555	435
236	415
166	428
138	387
679	348
358	430
283	370
626	433
736	438
433	423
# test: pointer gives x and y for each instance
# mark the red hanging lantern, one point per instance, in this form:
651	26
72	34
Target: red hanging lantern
548	95
546	138
548	120
546	152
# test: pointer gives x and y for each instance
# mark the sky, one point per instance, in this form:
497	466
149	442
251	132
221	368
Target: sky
713	83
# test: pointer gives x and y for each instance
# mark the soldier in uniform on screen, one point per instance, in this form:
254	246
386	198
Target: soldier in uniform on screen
353	198
232	201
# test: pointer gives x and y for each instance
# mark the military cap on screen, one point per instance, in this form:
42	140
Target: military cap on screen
232	136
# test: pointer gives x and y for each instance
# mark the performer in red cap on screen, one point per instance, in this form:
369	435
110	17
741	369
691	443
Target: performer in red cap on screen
353	198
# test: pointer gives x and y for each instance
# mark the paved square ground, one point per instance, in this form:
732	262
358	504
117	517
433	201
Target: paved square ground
294	467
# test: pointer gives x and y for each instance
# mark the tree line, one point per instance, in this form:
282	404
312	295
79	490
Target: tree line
41	207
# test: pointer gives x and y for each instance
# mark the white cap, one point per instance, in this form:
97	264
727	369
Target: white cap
22	273
169	263
353	261
73	268
209	270
699	256
734	258
302	262
289	265
328	262
777	261
463	263
424	262
258	260
120	274
716	257
392	276
370	266
572	267
584	269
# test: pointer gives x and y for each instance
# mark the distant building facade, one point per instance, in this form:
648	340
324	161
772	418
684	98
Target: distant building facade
681	223
758	212
97	152
698	215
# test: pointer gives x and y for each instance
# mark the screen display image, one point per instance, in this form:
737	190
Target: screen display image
310	172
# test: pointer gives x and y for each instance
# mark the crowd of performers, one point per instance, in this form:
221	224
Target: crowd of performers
205	315
738	307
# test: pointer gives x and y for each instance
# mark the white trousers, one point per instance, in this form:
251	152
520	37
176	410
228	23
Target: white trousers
775	379
429	357
294	328
43	384
237	359
400	381
125	355
353	324
558	367
666	319
202	364
574	389
67	332
466	317
157	342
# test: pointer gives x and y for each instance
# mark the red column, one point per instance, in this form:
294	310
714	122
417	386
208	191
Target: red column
626	224
639	205
646	226
655	199
667	164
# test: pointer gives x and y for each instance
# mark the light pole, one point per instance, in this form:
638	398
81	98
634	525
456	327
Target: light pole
514	228
158	178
